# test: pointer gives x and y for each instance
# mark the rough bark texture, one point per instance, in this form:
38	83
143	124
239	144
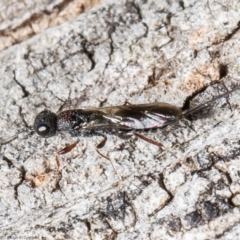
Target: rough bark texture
20	20
140	51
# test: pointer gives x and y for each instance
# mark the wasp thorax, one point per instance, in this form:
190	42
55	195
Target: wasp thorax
45	124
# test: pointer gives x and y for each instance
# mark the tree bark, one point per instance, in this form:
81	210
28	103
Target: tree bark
141	52
22	20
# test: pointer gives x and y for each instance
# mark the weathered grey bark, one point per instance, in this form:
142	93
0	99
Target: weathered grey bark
20	20
140	51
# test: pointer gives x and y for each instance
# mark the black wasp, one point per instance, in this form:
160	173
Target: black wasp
124	121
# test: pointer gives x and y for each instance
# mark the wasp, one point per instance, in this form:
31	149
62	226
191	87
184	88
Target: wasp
124	121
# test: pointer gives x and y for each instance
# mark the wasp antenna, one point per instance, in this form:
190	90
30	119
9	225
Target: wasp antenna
29	132
6	141
190	111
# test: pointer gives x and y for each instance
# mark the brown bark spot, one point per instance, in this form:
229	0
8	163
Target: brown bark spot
200	76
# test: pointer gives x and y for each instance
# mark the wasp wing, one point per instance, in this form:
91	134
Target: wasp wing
142	116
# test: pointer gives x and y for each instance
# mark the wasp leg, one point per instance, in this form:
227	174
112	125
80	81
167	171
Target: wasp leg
127	103
227	97
101	145
158	144
58	162
64	151
189	125
68	148
148	139
124	134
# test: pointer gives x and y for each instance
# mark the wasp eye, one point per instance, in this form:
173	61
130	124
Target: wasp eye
45	124
43	130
